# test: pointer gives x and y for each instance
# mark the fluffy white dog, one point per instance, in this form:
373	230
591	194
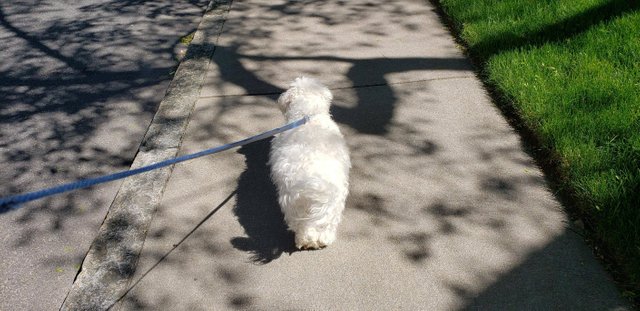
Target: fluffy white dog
310	165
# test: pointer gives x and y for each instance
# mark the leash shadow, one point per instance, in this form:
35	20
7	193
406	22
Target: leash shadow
257	209
175	246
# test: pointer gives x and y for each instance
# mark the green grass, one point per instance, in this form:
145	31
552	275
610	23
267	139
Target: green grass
186	40
571	71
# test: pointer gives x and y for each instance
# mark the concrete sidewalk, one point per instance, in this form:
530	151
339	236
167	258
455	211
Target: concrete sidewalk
446	210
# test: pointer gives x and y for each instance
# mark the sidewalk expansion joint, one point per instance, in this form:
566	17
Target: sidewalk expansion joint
360	86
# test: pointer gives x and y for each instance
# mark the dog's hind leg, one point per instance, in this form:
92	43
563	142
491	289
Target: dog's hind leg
319	232
314	213
308	238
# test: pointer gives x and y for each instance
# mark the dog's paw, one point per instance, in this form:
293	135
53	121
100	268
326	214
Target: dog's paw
312	239
309	246
327	237
308	239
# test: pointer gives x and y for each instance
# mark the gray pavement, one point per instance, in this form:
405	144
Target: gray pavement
446	209
79	84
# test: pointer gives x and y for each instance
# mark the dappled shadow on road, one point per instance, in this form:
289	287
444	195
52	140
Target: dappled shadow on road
79	83
74	88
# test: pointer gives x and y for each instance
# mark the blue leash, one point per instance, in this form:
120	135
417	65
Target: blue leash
12	202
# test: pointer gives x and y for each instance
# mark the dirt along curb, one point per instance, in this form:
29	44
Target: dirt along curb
111	261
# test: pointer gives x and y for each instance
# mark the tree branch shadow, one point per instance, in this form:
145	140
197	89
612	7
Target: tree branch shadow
374	110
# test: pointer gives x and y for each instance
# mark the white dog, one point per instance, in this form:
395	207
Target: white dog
310	165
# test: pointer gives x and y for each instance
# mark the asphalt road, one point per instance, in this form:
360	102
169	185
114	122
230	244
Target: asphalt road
79	84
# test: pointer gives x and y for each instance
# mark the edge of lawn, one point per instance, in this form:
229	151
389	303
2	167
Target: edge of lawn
550	163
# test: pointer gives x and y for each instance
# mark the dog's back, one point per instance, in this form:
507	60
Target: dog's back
310	167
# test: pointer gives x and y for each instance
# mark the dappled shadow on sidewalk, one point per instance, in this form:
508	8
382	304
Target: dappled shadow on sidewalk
444	203
370	115
163	257
559	276
343	44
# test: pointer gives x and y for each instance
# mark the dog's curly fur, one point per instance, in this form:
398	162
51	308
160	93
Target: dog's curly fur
310	165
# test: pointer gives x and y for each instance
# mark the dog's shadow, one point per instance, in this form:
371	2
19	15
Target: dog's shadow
257	208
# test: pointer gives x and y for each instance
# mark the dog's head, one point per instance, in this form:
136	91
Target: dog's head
305	96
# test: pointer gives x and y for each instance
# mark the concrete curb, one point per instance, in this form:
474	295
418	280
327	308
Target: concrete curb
112	258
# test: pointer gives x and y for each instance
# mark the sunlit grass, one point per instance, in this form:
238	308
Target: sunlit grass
186	40
571	70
